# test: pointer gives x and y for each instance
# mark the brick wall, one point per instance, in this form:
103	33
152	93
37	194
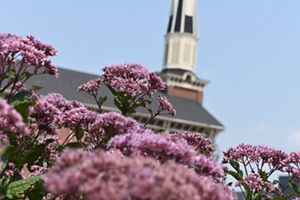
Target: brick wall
186	93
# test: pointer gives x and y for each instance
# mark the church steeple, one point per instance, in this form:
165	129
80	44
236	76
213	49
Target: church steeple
180	52
181	40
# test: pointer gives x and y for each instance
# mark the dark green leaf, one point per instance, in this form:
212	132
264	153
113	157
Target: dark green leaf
235	175
15	189
35	88
79	133
37	193
23	108
118	104
263	174
73	145
10	154
36	152
235	165
113	91
295	187
150	111
102	100
11	74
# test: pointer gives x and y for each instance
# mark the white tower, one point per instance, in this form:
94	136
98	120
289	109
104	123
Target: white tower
181	39
180	52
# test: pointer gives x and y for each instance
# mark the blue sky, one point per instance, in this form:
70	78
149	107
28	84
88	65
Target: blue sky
249	50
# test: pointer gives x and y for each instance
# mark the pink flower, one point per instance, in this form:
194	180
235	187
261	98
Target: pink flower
132	79
107	125
293	165
165	105
255	154
256	183
10	121
24	57
30	52
202	144
159	146
91	86
105	176
164	147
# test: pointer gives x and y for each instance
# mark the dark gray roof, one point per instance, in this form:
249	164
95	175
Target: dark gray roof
69	80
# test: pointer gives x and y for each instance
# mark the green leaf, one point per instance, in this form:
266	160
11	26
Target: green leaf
283	197
79	133
20	96
142	103
235	175
12	138
36	152
37	193
74	145
10	154
263	174
295	187
235	165
16	188
23	108
11	74
113	91
102	100
118	104
35	88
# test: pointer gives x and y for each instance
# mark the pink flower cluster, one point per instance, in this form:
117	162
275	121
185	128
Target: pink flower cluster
200	143
10	121
54	111
256	183
247	154
49	113
258	160
107	125
164	147
294	165
165	105
132	79
91	87
107	176
28	51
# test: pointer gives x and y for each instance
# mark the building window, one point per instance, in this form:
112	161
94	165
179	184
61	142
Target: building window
188	79
170	24
178	17
188	25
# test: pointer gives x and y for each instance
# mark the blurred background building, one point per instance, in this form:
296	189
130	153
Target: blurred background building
185	89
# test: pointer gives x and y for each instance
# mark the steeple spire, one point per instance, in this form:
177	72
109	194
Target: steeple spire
180	52
181	40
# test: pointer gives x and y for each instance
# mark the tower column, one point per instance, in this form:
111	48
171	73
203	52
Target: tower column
180	52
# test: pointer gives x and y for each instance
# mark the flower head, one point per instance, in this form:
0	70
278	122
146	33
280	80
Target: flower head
165	105
165	147
91	86
108	176
132	79
202	144
10	121
31	53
